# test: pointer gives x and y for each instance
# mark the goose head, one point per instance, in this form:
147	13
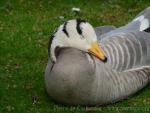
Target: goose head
77	34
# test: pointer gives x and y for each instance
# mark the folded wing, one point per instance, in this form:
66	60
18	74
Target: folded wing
128	50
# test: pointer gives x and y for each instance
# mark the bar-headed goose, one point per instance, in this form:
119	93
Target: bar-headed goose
98	66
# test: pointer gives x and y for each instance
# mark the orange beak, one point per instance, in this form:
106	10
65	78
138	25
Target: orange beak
97	51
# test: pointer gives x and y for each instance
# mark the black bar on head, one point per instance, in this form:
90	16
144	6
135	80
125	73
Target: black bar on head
64	29
79	21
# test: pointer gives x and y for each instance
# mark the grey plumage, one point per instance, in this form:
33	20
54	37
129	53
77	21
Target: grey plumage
129	50
103	29
80	78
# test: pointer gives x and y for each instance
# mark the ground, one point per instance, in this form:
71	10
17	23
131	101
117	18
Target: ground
25	28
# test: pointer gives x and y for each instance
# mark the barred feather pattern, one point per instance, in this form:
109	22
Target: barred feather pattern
128	50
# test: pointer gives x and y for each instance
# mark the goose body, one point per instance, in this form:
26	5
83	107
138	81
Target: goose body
78	77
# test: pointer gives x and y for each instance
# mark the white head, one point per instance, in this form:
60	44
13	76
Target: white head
77	34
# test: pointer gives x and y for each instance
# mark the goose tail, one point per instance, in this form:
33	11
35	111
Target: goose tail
141	22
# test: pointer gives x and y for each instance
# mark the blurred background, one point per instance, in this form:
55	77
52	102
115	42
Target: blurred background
25	28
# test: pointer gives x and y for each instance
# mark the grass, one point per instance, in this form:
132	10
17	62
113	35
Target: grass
25	27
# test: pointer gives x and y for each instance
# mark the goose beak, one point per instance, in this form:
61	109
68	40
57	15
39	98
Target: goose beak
97	51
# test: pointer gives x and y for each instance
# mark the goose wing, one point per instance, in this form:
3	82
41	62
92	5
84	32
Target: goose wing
128	50
103	30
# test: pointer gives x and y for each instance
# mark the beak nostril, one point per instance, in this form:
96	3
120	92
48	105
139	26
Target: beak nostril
97	50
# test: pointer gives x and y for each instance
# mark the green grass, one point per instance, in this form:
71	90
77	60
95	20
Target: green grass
25	27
